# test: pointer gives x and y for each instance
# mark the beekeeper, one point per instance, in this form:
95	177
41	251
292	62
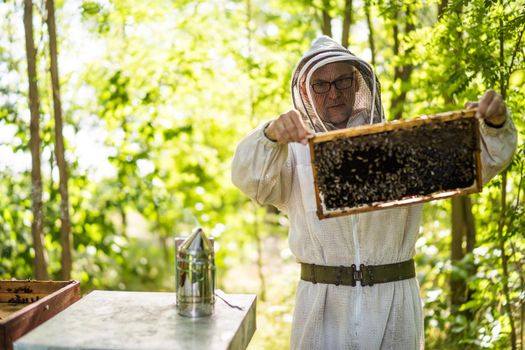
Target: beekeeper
358	288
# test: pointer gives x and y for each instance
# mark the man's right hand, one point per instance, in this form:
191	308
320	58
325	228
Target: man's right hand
289	127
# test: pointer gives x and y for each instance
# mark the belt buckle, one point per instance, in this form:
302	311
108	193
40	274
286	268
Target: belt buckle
358	275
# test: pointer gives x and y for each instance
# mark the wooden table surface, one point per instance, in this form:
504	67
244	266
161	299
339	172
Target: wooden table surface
143	320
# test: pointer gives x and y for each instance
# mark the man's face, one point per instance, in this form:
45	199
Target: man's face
335	104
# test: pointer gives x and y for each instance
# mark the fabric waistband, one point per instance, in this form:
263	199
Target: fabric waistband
368	275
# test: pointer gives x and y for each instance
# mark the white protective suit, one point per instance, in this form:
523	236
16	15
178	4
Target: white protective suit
326	316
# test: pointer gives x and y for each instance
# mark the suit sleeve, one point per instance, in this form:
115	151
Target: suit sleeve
497	147
262	169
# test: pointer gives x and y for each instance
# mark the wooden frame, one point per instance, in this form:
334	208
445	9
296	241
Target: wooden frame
344	135
26	304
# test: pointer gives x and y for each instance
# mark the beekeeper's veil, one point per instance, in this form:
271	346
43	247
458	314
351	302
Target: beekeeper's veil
367	108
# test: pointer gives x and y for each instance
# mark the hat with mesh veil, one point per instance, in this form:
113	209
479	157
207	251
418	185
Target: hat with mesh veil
367	107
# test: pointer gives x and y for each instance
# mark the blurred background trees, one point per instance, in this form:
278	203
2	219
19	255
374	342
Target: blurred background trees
154	97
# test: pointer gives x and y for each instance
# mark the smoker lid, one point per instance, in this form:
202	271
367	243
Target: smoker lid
196	245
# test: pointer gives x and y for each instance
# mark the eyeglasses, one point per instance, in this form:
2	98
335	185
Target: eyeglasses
325	86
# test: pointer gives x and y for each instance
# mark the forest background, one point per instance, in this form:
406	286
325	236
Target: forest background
127	142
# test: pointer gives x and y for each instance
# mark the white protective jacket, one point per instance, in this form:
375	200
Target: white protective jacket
326	316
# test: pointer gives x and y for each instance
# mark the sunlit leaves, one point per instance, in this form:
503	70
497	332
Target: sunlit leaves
158	93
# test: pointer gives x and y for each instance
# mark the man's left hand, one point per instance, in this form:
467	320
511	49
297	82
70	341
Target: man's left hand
491	108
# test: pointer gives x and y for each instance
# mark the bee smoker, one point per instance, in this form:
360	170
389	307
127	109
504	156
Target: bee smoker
195	275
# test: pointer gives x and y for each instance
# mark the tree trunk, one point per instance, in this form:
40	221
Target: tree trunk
470	225
501	224
371	40
505	261
457	285
256	231
260	259
403	72
163	240
327	20
441	8
65	223
347	22
463	234
124	220
37	226
393	103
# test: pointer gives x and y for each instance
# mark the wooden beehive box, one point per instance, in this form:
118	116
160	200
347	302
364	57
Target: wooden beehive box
393	164
26	304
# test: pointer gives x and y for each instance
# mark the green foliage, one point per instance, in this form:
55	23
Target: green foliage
461	59
16	253
157	94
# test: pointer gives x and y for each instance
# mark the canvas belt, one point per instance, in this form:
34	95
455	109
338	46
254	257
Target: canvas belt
368	275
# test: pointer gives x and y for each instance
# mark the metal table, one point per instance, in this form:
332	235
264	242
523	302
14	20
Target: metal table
143	320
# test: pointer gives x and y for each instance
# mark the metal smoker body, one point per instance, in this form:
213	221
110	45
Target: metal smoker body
195	276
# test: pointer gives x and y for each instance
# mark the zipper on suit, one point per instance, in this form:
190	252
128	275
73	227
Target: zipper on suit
358	288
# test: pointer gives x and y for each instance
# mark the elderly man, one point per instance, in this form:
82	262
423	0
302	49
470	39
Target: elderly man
334	89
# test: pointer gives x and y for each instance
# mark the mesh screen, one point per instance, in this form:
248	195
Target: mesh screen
361	92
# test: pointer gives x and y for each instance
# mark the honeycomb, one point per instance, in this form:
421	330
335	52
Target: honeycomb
392	165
